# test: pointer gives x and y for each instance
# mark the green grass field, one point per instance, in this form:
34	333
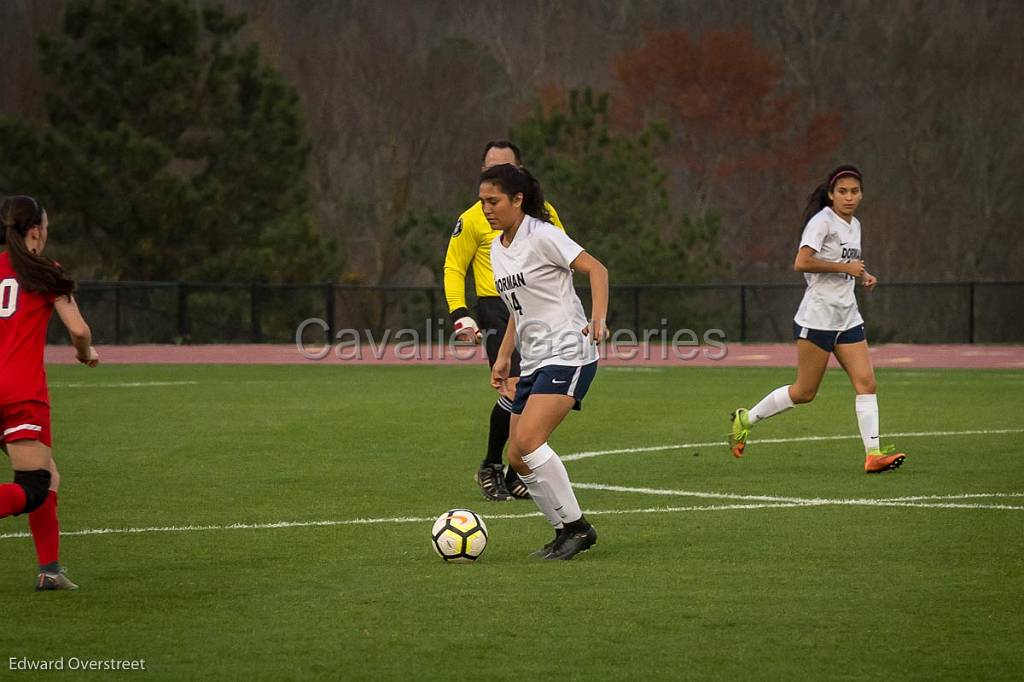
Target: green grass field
679	586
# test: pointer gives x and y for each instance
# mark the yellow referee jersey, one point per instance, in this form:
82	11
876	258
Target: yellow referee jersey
471	243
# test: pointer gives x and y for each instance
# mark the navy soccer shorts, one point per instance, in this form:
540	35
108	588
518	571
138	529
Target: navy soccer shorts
555	380
827	340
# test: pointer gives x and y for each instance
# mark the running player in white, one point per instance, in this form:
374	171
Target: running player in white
533	263
828	320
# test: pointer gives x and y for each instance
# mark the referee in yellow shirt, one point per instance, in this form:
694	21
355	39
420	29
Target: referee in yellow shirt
470	245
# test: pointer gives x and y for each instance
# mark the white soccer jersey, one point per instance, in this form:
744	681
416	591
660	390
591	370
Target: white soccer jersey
829	302
533	277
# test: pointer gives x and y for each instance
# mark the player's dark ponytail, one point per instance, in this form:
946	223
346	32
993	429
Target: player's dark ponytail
818	199
33	271
533	200
513	180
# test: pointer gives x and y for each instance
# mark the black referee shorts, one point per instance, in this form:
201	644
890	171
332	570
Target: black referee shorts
492	316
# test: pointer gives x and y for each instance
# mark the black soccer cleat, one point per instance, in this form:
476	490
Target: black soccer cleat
573	544
515	485
542	553
491	479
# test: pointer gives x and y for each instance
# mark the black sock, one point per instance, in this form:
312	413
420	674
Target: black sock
579	525
498	435
50	568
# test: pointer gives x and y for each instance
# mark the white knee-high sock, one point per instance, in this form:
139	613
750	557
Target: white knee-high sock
867	420
775	402
541	497
553	482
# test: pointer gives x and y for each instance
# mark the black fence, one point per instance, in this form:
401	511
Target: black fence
183	313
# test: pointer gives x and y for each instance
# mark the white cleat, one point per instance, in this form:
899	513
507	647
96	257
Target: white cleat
46	582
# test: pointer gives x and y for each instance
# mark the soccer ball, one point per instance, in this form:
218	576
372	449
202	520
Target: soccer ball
459	536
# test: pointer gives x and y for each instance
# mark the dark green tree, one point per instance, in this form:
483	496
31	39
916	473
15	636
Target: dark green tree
170	151
610	192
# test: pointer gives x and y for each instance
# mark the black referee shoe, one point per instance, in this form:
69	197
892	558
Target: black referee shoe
576	542
491	479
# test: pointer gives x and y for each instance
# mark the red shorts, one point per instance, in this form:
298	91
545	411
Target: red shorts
28	420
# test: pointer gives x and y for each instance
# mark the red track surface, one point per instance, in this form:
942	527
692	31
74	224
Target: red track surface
735	355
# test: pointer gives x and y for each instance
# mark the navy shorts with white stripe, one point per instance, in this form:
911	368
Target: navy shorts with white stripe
556	380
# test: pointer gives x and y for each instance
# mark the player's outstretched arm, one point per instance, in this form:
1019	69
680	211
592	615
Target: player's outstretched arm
598	273
81	336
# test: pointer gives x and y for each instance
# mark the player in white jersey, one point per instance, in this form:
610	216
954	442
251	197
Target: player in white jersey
828	320
469	249
533	263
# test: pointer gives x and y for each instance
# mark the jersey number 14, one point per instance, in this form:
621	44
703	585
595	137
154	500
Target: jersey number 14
515	302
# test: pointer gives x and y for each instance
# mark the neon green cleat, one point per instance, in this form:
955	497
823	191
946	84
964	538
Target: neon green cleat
740	431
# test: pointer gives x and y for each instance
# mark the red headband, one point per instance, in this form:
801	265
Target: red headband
841	174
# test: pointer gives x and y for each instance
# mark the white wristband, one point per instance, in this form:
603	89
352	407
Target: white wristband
465	323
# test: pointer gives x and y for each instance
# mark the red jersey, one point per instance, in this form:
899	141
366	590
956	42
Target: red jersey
24	317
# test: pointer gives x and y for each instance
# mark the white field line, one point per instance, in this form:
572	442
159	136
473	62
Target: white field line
961	496
819	501
381	521
941	505
759	502
230	526
689	493
125	384
801	439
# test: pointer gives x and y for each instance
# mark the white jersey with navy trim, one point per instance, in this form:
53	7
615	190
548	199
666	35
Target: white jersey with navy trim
829	302
533	278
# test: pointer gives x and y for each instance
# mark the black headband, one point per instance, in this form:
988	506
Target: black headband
37	214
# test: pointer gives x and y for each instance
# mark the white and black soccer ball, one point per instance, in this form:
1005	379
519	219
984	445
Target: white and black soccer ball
459	536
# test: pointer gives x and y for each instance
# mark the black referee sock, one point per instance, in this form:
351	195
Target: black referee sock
498	435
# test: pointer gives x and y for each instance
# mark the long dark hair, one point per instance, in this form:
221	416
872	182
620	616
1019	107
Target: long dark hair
35	272
512	180
818	199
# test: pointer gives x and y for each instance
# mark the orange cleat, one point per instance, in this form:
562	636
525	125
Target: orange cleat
876	464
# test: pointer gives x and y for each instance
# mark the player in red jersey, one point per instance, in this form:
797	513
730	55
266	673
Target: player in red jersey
31	288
